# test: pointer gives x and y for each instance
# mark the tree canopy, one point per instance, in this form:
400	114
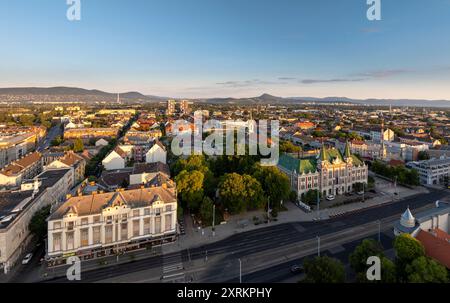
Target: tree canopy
324	270
240	192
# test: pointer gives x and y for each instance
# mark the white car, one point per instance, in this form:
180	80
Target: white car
27	259
360	193
331	198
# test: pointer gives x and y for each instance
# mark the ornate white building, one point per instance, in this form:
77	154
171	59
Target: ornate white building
102	224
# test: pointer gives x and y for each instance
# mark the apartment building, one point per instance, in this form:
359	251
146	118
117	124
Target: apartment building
13	147
433	171
88	133
71	160
18	207
26	168
103	224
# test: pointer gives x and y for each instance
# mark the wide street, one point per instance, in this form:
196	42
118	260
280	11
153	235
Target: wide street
52	134
265	254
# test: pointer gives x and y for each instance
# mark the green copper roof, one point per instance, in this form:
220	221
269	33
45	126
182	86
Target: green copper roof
347	152
299	165
323	153
334	154
356	161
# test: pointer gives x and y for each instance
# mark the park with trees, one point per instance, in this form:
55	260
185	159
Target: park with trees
233	184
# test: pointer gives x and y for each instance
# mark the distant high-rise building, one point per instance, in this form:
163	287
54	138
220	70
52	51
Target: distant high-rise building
184	106
170	107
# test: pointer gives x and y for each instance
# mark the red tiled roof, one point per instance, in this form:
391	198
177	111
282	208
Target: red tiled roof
435	246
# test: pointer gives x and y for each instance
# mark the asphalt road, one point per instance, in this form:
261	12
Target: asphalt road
260	241
52	134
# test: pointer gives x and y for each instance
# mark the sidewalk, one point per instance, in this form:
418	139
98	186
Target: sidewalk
198	237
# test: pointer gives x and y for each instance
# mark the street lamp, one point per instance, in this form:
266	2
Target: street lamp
214	221
379	231
318	246
318	205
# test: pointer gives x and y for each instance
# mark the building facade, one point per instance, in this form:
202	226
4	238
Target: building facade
332	173
18	207
102	224
433	171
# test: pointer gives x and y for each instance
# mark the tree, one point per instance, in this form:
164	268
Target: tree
324	270
240	192
78	145
38	223
368	248
310	197
425	270
423	155
57	141
206	211
274	183
289	147
190	187
407	249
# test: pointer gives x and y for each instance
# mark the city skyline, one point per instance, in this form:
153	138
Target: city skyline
216	49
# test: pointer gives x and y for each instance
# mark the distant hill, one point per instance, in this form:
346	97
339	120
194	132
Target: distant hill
70	94
75	94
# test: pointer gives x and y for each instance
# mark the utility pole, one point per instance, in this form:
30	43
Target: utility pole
214	221
318	246
240	271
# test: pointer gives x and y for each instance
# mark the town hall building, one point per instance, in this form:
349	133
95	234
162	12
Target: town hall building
331	172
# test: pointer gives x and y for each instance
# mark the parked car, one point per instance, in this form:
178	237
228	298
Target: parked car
297	269
331	198
27	259
360	193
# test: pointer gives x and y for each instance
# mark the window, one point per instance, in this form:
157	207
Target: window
136	213
57	225
96	219
84	221
157	225
158	211
136	228
168	223
109	220
124	231
69	240
70	225
147	226
124	217
96	235
146	211
84	237
169	208
57	242
108	234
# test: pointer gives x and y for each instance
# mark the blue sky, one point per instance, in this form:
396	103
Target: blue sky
220	48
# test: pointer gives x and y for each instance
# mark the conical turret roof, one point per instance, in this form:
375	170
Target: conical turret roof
407	219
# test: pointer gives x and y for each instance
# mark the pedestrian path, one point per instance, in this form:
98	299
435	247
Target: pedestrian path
173	268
